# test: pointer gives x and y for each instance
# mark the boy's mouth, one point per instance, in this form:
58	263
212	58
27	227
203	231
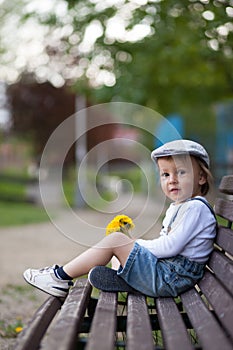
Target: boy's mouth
174	190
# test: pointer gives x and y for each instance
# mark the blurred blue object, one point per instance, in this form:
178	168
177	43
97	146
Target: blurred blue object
170	128
224	138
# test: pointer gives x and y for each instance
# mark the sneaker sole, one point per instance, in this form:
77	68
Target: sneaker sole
106	279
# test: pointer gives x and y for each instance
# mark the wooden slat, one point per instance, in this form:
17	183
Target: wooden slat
174	332
31	336
223	268
139	331
224	208
219	299
210	334
226	184
225	239
63	333
103	328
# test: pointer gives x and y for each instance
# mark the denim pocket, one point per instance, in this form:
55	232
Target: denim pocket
177	275
180	284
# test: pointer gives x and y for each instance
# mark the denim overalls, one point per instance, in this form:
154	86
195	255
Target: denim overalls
160	277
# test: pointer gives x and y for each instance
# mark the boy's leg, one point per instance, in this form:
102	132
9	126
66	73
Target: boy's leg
117	244
106	279
47	280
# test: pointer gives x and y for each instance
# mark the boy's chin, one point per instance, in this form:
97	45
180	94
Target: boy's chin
180	199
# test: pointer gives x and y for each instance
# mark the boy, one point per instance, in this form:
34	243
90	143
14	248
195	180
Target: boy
165	266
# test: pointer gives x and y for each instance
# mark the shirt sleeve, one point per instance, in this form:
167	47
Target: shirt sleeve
192	221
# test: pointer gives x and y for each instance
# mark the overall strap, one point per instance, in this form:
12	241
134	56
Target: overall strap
206	203
173	219
198	199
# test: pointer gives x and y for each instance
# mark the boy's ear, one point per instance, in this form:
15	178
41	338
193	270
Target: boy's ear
202	179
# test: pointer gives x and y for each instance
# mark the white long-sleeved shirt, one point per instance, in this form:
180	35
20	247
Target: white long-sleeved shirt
189	229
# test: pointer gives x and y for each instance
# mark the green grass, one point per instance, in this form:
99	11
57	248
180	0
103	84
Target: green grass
11	326
15	210
12	189
222	221
16	214
10	330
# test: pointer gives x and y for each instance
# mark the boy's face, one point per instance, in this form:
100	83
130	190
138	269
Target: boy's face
181	177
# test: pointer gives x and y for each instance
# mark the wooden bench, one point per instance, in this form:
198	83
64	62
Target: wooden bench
201	318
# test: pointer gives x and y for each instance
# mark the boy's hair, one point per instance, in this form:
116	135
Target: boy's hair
209	177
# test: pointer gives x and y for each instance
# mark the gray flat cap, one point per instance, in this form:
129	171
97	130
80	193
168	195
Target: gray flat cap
179	147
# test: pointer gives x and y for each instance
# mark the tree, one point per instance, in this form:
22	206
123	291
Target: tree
182	56
168	55
183	64
187	61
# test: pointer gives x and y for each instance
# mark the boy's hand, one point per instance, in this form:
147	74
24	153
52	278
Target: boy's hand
121	223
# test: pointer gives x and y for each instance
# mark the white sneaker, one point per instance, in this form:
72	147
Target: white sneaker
45	279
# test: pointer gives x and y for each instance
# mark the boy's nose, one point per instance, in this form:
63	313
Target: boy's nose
173	178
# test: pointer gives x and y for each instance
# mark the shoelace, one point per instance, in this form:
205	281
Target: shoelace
48	268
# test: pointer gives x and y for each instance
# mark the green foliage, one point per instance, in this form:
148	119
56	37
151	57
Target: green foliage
12	191
16	290
13	186
133	175
182	64
10	330
175	68
186	52
10	326
93	180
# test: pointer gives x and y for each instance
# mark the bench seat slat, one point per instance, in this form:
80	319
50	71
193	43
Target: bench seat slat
102	333
139	331
226	184
63	333
209	332
219	299
173	329
223	269
31	336
224	239
224	208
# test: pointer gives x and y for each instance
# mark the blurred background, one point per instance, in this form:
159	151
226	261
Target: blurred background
60	56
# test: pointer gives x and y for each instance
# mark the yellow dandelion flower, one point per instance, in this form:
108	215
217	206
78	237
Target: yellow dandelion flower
18	329
121	223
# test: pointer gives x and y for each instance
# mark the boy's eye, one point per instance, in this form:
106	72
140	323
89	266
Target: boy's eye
164	174
181	172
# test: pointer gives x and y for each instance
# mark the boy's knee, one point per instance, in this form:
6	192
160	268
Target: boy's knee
119	238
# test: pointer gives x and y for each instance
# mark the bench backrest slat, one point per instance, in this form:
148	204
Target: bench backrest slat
224	239
209	332
226	184
169	320
103	328
220	300
223	269
139	331
224	208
